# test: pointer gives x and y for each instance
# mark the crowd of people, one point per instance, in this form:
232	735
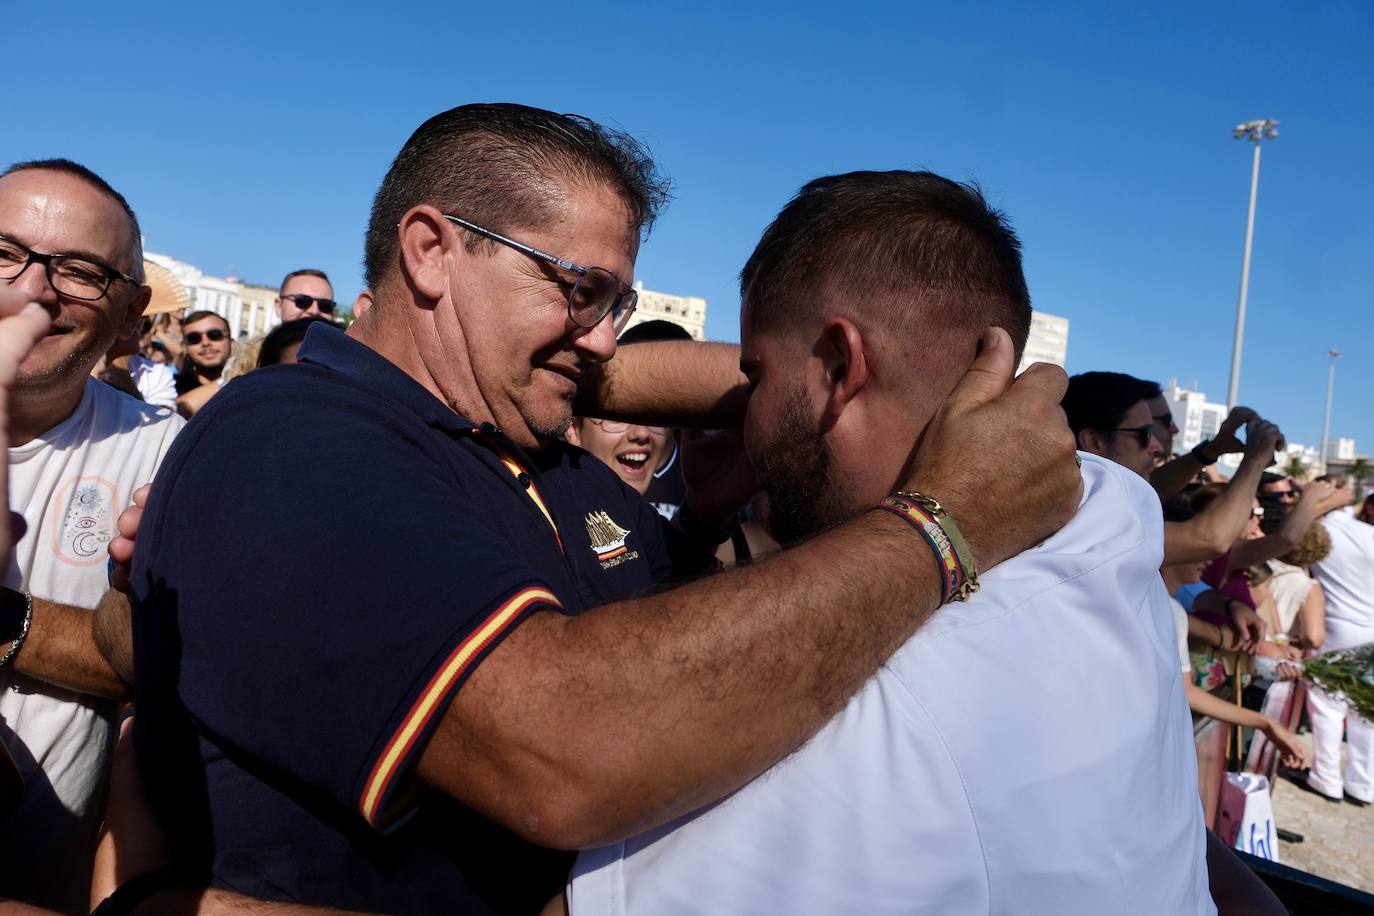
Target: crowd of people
844	618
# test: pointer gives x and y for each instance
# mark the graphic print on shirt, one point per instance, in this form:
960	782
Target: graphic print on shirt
608	540
83	517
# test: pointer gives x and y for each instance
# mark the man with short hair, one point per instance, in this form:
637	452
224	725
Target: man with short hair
208	345
526	687
78	448
306	293
1109	414
974	767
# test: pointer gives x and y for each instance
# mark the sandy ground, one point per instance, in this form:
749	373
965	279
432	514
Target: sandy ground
1338	839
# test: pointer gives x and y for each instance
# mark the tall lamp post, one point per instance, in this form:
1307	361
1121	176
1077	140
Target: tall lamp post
1254	131
1330	384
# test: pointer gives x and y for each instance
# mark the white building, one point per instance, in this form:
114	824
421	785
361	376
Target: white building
688	312
247	307
1197	418
1048	341
1340	449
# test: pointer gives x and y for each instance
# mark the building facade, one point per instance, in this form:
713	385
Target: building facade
1048	341
1197	418
687	312
248	307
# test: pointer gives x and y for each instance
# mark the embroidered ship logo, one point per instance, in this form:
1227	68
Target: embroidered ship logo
608	538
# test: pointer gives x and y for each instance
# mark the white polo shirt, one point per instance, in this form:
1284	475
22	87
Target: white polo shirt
1029	751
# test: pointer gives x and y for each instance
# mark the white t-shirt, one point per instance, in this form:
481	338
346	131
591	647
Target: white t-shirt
156	382
1347	577
1028	751
1181	634
70	484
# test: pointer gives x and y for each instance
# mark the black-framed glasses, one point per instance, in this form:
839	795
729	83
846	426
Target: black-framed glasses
1164	420
215	334
597	292
77	278
1142	433
302	302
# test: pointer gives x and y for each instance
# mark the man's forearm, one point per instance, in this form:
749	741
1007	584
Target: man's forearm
672	382
61	650
693	686
1216	528
1170	478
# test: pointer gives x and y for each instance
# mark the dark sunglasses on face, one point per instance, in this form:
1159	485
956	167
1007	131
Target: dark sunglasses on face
1142	433
302	302
214	334
1164	420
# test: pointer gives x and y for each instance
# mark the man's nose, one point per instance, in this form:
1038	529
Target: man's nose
598	343
638	434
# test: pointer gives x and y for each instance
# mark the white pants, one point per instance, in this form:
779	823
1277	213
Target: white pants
1328	713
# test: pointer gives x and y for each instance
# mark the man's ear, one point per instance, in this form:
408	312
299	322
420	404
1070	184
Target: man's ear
1090	440
845	364
426	239
137	304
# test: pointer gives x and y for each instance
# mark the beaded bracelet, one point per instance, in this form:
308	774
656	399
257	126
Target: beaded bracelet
958	576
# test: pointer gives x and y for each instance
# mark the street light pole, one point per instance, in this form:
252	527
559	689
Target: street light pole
1254	131
1330	385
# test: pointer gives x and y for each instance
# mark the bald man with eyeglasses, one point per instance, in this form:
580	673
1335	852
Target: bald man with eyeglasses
77	449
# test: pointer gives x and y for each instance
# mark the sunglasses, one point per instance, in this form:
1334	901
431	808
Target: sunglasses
214	334
302	302
1142	433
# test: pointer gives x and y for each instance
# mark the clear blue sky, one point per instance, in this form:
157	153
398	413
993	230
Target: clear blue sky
251	136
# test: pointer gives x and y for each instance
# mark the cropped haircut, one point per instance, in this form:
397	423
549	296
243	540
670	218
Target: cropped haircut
197	315
494	164
1101	400
932	246
76	169
303	272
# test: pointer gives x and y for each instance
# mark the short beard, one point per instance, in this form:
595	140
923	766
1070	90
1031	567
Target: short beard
794	470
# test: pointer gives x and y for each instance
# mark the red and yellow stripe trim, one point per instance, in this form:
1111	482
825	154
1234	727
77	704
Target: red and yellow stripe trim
515	471
448	674
952	573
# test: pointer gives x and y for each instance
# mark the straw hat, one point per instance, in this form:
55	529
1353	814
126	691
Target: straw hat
169	293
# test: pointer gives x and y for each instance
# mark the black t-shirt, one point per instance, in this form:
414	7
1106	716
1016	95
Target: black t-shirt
327	553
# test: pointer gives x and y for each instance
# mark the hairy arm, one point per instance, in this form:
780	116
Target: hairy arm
1170	478
1318	498
61	650
580	730
669	382
1217	527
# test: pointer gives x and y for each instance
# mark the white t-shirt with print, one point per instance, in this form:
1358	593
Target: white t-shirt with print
70	484
1028	751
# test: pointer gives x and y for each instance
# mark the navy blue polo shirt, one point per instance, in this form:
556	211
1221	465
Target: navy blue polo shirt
327	553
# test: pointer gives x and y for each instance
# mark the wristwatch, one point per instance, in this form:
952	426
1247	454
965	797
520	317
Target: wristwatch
1199	453
14	607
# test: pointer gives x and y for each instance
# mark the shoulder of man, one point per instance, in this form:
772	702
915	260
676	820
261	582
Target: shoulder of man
117	412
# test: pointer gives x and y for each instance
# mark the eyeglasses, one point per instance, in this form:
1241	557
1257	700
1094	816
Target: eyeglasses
596	293
1287	495
1142	433
302	302
214	334
614	428
77	278
1164	420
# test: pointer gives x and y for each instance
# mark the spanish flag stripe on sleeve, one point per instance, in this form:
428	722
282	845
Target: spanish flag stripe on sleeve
449	673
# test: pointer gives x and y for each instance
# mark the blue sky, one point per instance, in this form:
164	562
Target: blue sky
251	136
